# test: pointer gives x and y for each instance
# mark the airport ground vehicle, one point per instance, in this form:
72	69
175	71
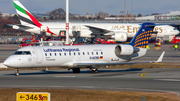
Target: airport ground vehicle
175	40
27	44
104	41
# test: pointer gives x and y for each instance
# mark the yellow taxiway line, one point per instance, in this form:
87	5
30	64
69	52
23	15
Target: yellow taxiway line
142	75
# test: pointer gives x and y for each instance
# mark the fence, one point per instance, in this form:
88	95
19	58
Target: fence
13	39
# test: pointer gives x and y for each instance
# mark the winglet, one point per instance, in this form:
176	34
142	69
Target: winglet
161	57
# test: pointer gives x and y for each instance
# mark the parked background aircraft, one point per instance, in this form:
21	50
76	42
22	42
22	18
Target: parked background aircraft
119	32
83	56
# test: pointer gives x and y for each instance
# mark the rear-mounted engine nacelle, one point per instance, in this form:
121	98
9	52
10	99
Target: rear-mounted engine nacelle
125	50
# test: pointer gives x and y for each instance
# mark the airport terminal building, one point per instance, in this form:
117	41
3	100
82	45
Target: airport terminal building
173	15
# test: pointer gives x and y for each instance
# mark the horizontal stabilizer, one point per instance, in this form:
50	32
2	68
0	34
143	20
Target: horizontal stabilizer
21	26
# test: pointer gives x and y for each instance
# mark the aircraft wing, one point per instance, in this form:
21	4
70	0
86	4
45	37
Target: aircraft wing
118	63
98	31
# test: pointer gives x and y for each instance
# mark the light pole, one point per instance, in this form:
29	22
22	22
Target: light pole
131	7
67	22
124	7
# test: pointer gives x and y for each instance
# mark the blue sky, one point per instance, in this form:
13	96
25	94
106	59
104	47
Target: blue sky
112	7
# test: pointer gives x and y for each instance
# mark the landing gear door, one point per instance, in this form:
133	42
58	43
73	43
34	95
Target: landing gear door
38	54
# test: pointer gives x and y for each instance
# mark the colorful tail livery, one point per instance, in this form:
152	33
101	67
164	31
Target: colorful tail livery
142	37
25	16
28	20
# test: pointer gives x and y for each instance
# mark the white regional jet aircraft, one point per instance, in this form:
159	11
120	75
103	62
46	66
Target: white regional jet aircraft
83	56
117	31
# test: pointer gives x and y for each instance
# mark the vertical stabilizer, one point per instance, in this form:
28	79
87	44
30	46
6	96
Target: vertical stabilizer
26	18
142	37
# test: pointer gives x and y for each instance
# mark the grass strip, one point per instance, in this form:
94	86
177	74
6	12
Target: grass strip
85	95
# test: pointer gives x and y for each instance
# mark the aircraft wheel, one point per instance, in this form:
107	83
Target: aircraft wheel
76	70
17	72
94	70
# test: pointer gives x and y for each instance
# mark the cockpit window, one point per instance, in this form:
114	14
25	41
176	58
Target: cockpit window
27	53
175	28
18	53
22	53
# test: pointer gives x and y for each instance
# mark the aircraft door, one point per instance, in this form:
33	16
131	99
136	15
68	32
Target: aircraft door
38	53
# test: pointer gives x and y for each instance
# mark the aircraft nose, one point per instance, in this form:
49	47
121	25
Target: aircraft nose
6	63
178	31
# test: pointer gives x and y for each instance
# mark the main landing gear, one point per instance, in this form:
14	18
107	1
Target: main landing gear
76	70
93	70
16	72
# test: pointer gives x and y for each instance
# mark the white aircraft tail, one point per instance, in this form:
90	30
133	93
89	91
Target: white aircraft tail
26	18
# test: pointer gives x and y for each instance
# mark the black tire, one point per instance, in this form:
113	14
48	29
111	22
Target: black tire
76	70
16	74
94	71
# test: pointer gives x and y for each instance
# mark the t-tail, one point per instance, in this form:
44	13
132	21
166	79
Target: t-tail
26	18
142	37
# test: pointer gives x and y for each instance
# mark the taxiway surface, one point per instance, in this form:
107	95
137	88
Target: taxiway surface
160	80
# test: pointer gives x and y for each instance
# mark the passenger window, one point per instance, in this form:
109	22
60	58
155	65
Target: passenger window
96	53
59	54
101	53
50	54
45	54
83	53
64	54
92	53
70	54
74	53
87	53
78	53
55	54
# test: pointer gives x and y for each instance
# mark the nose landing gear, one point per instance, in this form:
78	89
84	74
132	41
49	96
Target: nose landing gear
16	72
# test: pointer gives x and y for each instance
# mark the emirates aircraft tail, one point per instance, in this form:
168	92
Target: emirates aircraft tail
28	22
26	18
